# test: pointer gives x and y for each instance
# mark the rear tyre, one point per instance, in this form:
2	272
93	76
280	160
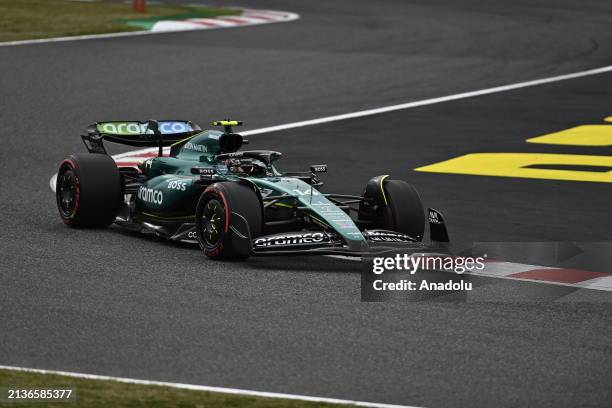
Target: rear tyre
88	191
214	218
393	205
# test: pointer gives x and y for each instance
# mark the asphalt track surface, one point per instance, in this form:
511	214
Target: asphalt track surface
115	303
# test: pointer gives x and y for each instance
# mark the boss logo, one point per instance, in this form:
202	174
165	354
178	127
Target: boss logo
177	185
318	168
204	172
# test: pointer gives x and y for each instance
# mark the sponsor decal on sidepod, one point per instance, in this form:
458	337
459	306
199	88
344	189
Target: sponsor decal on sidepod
150	195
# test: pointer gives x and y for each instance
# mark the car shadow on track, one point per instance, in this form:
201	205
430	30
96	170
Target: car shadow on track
303	263
295	263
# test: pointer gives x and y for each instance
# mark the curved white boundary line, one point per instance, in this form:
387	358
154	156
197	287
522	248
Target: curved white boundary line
234	391
288	17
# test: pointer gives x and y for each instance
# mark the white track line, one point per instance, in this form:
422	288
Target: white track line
431	101
219	24
77	38
193	387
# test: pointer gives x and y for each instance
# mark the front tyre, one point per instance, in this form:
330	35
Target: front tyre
405	211
393	205
214	219
88	191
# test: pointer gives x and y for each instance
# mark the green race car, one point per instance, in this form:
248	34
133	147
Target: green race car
233	203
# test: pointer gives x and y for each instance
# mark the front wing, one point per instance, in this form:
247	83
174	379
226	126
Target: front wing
375	241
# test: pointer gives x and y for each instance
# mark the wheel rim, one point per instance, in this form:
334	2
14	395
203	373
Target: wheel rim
68	193
213	221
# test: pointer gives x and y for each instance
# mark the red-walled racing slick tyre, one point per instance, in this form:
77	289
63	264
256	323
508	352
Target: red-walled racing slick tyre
88	190
218	206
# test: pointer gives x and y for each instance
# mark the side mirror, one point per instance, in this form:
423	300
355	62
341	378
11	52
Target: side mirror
318	168
314	170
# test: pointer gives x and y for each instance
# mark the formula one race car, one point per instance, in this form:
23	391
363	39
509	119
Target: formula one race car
233	203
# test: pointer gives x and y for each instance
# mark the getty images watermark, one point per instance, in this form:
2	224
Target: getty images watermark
471	272
418	276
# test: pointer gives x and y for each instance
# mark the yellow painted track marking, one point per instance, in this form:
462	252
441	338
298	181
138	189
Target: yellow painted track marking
513	165
585	135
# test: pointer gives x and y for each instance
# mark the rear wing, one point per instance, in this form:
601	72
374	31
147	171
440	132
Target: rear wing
135	133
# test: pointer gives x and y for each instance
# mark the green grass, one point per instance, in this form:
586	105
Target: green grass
32	19
105	394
